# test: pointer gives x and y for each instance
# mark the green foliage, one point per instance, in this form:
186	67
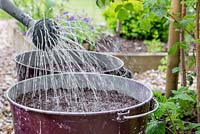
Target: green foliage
176	70
156	127
102	3
177	45
173	49
157	7
176	114
188	22
154	46
123	10
40	9
163	66
198	41
136	20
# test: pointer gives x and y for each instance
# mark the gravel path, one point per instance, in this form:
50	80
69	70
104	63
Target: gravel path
7	75
153	79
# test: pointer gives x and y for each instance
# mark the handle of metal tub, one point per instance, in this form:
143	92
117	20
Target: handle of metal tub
124	116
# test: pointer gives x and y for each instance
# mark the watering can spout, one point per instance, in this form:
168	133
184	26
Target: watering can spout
14	11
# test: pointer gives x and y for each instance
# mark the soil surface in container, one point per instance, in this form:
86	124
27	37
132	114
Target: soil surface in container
76	100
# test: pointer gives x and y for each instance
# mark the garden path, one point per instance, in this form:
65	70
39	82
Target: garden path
7	75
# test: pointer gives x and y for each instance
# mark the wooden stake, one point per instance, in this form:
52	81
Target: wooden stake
198	57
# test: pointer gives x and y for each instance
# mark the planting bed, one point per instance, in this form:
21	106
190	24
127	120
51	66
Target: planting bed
119	44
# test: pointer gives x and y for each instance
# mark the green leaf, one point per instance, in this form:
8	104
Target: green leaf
181	90
99	3
129	6
173	49
146	24
161	12
156	127
193	125
149	3
159	97
176	70
102	3
198	41
187	22
160	111
122	14
169	105
184	97
182	45
179	123
118	7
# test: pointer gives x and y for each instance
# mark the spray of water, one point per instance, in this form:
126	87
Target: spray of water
65	53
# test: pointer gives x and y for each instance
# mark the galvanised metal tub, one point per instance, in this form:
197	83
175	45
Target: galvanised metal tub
32	64
128	120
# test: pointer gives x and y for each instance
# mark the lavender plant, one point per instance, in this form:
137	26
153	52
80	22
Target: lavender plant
80	29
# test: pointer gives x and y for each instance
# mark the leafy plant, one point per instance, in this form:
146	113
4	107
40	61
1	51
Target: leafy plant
79	28
176	114
40	9
176	46
135	22
163	65
154	46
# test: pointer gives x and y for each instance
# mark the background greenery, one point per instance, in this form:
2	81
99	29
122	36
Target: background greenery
51	8
38	7
137	22
175	115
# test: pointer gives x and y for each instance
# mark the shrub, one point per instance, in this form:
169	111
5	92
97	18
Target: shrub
138	24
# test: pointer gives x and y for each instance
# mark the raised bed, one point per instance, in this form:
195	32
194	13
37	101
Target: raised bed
140	62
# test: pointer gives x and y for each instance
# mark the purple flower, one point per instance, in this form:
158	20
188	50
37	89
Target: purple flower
91	27
86	19
71	18
65	13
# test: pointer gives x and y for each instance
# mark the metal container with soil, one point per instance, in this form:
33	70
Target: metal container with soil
37	63
123	112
